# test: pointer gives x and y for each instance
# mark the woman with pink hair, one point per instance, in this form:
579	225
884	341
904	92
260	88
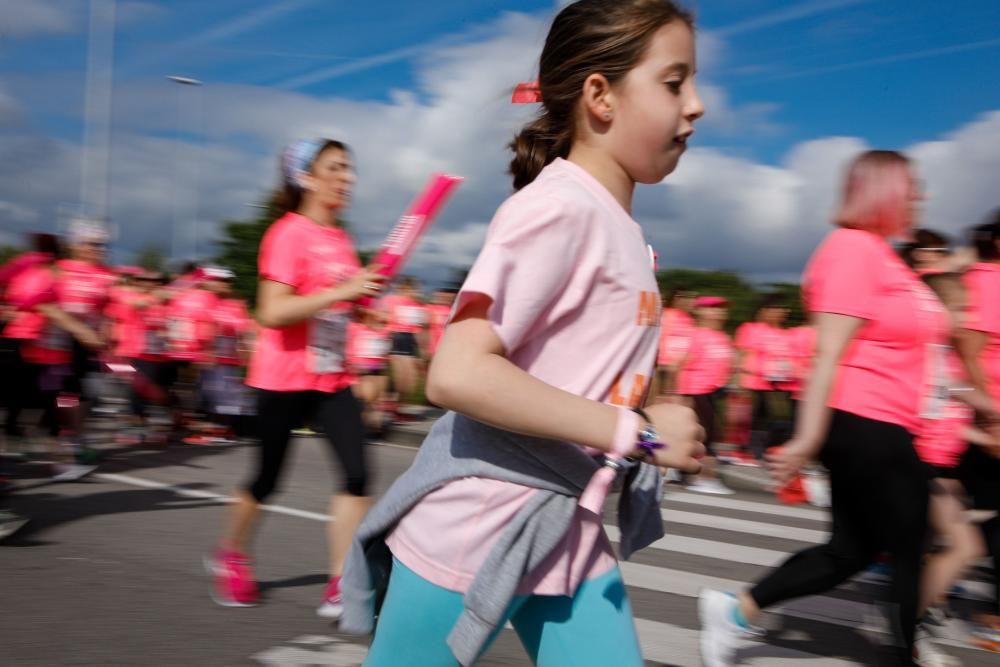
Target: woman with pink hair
875	322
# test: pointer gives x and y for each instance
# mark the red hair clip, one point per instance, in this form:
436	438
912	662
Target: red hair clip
527	93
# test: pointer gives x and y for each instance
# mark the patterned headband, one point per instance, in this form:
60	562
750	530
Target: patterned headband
297	159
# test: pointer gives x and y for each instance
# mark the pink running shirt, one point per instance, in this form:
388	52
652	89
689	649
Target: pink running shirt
85	290
190	325
708	363
44	342
881	375
982	283
676	328
309	257
129	329
575	304
803	349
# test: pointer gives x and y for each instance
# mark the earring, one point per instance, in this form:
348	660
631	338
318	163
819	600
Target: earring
607	115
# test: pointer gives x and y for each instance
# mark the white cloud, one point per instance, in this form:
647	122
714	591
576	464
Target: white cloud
717	211
27	18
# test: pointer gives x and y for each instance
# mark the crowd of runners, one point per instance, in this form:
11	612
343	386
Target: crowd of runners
889	395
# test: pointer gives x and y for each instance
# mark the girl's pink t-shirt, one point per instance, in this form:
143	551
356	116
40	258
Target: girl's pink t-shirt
881	374
941	441
154	331
982	283
190	326
405	314
676	328
367	348
438	316
575	303
708	363
308	257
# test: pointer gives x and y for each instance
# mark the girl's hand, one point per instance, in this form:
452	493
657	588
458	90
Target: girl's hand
681	433
787	460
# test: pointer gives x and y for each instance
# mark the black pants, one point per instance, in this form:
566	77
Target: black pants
767	429
338	415
706	406
980	473
879	490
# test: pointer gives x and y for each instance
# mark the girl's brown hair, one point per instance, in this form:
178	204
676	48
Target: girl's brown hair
606	37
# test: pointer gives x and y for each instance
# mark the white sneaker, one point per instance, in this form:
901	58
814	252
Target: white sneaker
673	476
927	654
71	472
713	486
718	630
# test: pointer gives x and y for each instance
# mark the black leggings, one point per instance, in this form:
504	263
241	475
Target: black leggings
706	406
880	493
338	415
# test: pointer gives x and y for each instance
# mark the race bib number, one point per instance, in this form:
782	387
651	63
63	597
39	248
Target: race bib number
327	342
180	330
779	370
411	316
936	396
375	348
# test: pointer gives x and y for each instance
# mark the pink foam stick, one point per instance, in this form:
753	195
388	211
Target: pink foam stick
403	238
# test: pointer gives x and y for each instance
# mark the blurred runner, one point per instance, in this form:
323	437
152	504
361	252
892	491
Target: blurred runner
704	373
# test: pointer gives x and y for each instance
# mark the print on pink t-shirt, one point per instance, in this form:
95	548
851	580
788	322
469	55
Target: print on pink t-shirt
584	319
309	257
190	324
367	348
405	314
940	441
231	322
881	374
85	290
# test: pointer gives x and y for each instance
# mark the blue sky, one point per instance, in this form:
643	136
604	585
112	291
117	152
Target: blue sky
782	79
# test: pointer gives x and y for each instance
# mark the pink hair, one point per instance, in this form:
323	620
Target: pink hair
876	193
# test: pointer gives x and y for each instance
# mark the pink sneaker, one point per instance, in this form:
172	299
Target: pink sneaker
234	582
333	606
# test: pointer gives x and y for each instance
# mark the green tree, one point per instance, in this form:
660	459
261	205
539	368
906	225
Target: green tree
152	258
9	252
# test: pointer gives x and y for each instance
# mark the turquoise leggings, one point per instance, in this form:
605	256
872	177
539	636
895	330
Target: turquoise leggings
594	627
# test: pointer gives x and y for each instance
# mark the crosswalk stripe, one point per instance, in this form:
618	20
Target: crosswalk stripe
694	546
745	526
672	645
676	496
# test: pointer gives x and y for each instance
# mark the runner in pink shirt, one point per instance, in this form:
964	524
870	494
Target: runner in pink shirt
704	374
945	433
555	335
876	325
438	312
46	333
310	276
676	327
407	323
978	345
368	345
766	366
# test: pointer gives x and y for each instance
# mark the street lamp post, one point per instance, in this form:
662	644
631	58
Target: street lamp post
176	241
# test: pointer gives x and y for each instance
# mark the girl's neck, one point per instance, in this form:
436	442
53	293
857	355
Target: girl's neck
327	217
606	171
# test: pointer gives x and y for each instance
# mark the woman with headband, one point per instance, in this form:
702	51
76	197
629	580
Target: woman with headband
309	276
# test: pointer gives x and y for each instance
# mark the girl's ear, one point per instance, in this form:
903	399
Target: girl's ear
598	98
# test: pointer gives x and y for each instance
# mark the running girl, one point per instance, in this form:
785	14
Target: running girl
309	276
553	342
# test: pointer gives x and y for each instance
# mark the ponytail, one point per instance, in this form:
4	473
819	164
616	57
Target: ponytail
536	146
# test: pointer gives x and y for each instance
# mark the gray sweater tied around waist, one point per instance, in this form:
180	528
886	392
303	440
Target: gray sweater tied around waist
459	447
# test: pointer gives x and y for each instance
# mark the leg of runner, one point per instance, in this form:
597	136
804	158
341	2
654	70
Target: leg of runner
340	415
278	412
963	543
707	481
